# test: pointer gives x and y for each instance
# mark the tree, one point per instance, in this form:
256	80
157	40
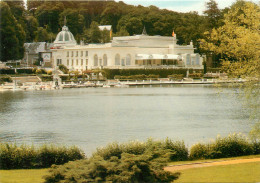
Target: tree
12	35
31	28
122	32
74	21
213	14
42	35
93	34
238	43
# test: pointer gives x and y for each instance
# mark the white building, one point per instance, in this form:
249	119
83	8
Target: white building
138	51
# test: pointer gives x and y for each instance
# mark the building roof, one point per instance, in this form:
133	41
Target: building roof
37	47
65	37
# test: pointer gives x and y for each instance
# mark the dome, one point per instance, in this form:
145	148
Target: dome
65	37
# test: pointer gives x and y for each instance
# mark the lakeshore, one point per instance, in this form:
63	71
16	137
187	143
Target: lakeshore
51	85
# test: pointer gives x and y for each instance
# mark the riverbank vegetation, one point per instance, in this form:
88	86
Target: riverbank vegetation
13	156
125	162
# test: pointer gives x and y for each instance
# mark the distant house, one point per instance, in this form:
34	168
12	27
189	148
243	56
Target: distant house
37	52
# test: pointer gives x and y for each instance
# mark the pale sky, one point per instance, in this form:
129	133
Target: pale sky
182	5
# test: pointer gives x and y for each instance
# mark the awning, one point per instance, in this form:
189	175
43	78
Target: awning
157	57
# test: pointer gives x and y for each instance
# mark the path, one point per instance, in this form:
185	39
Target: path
174	168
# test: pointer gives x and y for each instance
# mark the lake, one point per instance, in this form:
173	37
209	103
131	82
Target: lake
93	117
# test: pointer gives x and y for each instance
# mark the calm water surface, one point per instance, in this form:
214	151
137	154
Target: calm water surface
93	117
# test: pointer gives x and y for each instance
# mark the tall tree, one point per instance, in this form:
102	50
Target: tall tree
74	21
12	35
93	34
213	14
238	43
42	35
31	28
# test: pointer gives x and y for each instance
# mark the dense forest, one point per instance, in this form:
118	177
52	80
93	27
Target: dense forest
40	20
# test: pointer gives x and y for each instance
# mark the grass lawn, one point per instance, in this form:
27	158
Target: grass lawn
22	176
211	160
244	172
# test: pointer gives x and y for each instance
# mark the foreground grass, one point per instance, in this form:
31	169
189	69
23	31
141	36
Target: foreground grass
22	176
244	172
211	160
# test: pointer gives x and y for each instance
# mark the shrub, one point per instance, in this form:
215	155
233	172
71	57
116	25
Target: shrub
162	73
196	75
7	71
17	157
231	146
24	71
128	168
176	150
4	79
49	72
176	76
199	151
38	71
64	69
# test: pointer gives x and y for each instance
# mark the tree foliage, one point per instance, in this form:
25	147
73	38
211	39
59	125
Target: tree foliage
12	35
238	43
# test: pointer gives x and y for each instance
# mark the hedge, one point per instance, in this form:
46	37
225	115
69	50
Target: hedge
163	73
27	157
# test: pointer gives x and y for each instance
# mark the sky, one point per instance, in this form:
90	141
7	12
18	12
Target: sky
182	5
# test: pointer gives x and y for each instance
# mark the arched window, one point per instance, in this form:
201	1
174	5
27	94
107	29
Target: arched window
117	59
104	60
95	60
128	59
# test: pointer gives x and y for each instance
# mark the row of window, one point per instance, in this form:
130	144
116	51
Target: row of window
77	53
77	62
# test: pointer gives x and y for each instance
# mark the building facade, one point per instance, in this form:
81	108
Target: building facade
138	51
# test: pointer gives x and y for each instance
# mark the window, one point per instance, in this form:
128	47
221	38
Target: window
82	53
59	62
68	53
95	60
117	59
123	62
188	59
76	53
104	60
68	62
72	53
128	59
77	62
86	53
86	61
72	62
81	61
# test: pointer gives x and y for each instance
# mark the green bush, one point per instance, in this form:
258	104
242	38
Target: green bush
176	76
24	71
231	146
17	157
199	151
128	168
4	79
46	78
196	75
162	73
64	69
176	150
